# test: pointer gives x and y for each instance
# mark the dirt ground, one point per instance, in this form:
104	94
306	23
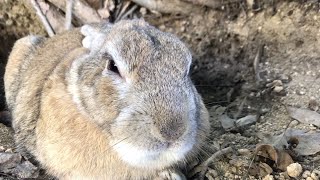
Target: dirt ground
238	51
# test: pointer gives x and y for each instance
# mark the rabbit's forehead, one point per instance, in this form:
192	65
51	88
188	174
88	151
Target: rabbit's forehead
147	50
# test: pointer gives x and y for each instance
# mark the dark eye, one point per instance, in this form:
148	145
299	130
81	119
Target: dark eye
113	67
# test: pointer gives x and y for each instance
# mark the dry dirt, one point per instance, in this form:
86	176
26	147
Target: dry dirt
225	43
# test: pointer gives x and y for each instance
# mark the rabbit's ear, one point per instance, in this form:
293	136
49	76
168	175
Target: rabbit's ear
94	35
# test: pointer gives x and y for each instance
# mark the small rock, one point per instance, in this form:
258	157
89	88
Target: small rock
143	11
315	174
283	176
26	170
9	150
247	120
244	151
313	104
238	162
301	92
9	22
309	178
294	169
268	177
306	174
162	27
278	89
313	127
104	13
294	123
285	78
213	173
275	83
2	149
233	169
9	160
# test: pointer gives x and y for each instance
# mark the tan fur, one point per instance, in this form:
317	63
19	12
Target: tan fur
71	116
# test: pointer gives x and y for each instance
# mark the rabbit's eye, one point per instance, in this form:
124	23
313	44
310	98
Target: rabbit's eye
113	67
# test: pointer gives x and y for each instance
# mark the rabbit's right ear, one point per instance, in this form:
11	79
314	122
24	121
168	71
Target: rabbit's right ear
94	36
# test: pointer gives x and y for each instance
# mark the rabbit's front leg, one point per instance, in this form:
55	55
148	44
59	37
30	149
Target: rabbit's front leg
172	174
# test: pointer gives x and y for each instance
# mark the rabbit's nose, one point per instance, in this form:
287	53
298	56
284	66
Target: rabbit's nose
172	130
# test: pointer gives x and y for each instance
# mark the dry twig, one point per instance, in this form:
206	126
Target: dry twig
203	167
212	3
55	18
256	63
43	18
124	14
169	6
81	10
69	8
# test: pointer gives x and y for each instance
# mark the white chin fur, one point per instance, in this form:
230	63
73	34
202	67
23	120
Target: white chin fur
143	158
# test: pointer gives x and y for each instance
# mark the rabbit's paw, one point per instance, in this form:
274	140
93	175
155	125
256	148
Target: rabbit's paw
170	175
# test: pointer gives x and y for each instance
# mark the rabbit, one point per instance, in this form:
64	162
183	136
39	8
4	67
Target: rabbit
105	101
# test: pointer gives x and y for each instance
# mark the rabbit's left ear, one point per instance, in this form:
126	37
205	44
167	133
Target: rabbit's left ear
94	36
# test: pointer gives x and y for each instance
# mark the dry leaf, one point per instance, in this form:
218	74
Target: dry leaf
309	143
284	160
278	141
267	151
304	115
281	158
300	141
260	169
264	169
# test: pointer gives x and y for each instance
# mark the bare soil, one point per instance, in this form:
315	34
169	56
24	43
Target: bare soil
225	44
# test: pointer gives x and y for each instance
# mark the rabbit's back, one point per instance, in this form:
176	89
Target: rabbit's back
30	63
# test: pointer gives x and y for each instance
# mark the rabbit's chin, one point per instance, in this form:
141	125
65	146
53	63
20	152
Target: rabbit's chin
165	156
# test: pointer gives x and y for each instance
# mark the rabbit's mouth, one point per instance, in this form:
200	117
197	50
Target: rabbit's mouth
165	156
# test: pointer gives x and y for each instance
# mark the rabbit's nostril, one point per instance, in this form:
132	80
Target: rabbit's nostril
172	131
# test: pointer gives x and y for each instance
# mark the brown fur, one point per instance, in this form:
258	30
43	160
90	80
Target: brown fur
64	110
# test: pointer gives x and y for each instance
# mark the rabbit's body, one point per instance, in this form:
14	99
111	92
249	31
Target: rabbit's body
83	117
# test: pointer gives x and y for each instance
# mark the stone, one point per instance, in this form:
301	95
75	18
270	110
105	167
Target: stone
294	170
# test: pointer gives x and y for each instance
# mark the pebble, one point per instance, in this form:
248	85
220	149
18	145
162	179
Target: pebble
301	92
294	123
294	169
285	78
275	83
315	174
268	177
306	174
143	11
9	160
313	104
244	151
9	150
309	178
278	89
313	127
213	173
283	176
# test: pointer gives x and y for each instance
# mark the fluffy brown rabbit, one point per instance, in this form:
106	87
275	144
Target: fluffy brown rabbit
105	102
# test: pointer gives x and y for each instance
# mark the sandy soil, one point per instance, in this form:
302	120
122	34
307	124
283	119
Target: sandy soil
225	44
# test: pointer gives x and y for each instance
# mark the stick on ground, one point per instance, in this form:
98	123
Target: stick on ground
69	7
43	18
